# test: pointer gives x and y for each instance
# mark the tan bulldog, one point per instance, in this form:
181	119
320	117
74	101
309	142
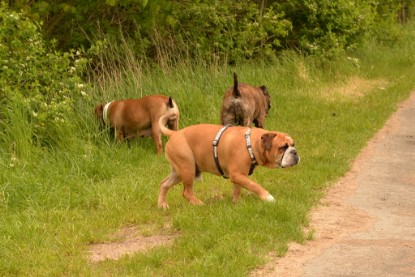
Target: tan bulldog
229	151
139	117
244	104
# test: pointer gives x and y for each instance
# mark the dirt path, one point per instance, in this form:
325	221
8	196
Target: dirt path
365	226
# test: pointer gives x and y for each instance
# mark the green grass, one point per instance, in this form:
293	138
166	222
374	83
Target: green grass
55	202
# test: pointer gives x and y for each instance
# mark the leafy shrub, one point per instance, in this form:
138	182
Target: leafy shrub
228	29
386	30
176	29
220	30
40	82
327	28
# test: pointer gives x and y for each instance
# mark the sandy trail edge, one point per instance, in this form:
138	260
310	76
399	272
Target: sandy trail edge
359	216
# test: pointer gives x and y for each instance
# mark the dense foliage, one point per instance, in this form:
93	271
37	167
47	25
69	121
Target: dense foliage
42	76
37	83
225	29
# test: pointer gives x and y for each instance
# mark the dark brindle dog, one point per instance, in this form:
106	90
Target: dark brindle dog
244	104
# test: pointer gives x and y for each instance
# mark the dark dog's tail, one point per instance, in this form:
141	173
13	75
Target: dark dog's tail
236	92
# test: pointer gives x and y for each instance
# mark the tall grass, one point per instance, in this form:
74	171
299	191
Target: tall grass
55	202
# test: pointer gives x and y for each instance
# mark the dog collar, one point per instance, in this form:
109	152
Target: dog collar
105	115
251	151
215	149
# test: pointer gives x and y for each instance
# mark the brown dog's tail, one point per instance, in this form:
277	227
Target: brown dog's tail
236	92
171	115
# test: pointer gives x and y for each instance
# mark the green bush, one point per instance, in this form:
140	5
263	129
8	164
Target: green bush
228	30
225	31
327	28
386	30
36	81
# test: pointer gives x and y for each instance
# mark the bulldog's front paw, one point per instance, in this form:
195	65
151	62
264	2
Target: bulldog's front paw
163	205
270	198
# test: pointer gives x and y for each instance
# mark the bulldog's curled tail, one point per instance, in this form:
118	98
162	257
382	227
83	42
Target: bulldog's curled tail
236	92
171	115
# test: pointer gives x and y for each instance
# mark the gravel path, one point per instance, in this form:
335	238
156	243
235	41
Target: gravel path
365	226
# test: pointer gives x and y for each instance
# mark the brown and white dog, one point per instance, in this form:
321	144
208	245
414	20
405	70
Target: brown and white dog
190	151
139	117
244	104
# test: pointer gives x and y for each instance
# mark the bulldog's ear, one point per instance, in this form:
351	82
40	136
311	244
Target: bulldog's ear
267	140
264	90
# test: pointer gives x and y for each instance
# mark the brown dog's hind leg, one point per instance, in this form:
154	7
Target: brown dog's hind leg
188	178
236	193
120	134
156	135
165	185
159	144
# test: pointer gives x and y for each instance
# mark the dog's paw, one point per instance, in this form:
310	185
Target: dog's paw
163	206
196	202
270	198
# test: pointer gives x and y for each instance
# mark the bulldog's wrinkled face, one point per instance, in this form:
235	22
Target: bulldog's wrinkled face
280	150
290	157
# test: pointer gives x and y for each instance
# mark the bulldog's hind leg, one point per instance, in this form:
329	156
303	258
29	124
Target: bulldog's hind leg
236	193
119	134
156	135
165	185
188	178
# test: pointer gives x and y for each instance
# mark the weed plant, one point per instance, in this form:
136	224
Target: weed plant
56	201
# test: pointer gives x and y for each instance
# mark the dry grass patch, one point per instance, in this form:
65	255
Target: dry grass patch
127	241
353	88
